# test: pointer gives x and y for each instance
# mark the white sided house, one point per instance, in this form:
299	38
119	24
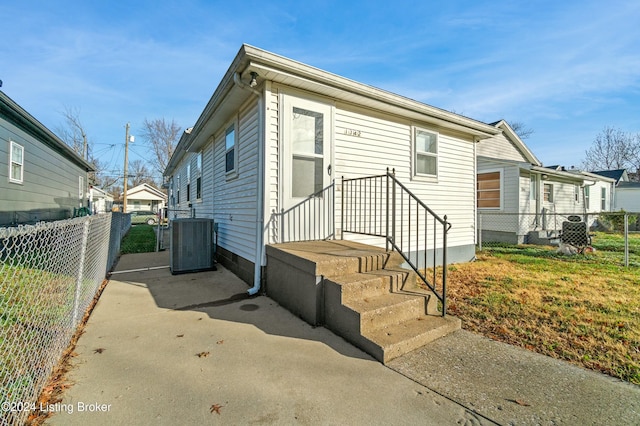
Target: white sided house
520	201
145	197
276	132
312	179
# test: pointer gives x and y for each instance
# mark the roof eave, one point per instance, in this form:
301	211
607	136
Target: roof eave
513	136
267	64
42	133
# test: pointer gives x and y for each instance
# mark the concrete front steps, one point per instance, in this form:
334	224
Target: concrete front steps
362	294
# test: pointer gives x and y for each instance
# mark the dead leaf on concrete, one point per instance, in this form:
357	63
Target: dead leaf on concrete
520	402
219	342
203	354
180	335
215	408
99	350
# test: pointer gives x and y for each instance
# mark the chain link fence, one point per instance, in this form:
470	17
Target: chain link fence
613	232
49	274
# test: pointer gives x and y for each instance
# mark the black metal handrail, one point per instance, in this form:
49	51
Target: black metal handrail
382	206
312	219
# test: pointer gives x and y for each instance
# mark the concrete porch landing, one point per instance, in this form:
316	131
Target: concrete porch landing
360	292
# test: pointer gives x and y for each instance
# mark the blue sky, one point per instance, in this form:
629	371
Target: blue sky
566	69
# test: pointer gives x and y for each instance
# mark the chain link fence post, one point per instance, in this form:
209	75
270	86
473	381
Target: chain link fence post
480	231
79	278
626	240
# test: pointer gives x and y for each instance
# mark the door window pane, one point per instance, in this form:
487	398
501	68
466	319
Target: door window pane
307	132
307	149
307	176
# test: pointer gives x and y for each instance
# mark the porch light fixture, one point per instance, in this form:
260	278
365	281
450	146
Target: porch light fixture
253	82
545	177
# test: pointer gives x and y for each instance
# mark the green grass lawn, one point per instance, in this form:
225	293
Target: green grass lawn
35	313
139	239
584	308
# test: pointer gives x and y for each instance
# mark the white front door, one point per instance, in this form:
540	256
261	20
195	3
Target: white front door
307	151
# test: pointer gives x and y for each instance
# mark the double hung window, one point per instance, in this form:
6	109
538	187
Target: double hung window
426	153
16	163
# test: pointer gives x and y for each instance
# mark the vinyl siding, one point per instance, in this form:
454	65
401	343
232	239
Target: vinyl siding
50	180
182	207
564	198
627	198
204	208
386	142
235	198
506	217
500	147
272	136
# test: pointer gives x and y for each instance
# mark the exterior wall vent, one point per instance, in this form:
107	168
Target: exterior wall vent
192	245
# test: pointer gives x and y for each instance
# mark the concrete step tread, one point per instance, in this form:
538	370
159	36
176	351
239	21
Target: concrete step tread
356	278
422	330
384	301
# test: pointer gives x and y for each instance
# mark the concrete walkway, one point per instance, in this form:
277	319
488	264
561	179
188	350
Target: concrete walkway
192	349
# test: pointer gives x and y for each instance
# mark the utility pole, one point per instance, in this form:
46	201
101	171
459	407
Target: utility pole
85	153
126	162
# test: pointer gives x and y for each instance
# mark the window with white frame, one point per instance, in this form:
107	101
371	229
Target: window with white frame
188	182
172	196
533	187
199	176
576	193
489	186
426	153
603	199
80	187
586	196
230	149
16	163
178	189
547	192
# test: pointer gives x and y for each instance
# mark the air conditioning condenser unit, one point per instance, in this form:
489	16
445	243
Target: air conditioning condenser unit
192	245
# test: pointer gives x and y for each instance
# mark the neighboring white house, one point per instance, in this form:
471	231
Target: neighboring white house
145	197
100	200
520	201
627	196
275	131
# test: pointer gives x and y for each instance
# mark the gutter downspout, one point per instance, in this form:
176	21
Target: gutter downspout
257	275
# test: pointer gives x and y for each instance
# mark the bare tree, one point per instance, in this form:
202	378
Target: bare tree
163	137
521	129
613	149
72	132
139	174
101	177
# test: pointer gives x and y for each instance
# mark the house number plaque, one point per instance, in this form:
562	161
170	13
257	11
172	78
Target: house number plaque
352	132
